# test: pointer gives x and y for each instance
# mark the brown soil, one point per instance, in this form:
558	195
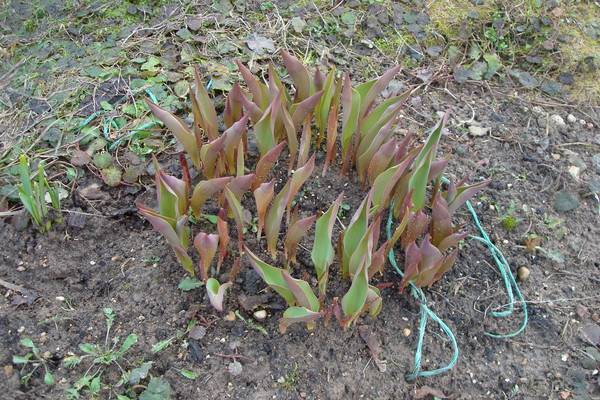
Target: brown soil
105	264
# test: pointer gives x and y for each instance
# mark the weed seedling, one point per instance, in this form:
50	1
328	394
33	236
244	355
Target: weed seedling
34	360
33	194
103	356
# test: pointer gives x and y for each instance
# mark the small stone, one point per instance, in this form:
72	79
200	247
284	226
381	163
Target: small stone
478	130
281	379
565	201
582	311
8	370
574	171
571	119
260	315
523	273
582	122
21	329
198	332
235	368
594	185
230	316
590	125
60	298
558	122
406	332
21	268
564	357
596	162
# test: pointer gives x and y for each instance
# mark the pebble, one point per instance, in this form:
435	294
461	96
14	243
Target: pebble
582	121
571	119
260	315
235	368
596	162
565	201
230	316
281	379
523	273
558	122
478	130
406	332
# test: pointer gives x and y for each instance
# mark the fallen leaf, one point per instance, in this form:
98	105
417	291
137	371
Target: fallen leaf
590	332
425	391
260	44
373	345
80	158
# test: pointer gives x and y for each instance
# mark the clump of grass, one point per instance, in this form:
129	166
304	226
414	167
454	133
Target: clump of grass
510	223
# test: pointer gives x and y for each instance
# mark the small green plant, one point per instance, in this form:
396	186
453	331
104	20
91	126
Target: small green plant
34	192
509	220
32	361
102	356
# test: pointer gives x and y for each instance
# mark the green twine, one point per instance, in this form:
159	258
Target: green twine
426	313
508	278
510	285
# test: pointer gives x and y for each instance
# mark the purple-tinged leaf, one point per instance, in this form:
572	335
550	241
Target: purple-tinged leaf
302	292
354	300
238	214
376	89
417	225
233	138
465	193
413	258
165	227
257	89
252	110
206	245
365	157
211	156
381	159
295	233
452	240
266	162
295	315
332	126
291	134
305	141
384	184
179	130
216	293
350	99
441	222
223	231
299	75
274	217
263	195
354	232
241	184
324	106
233	106
207	109
448	263
204	190
300	110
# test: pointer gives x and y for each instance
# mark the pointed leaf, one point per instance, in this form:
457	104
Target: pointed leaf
295	315
205	190
300	110
376	89
465	193
233	106
323	252
381	159
295	233
264	129
206	245
263	196
272	277
223	231
350	114
305	141
266	162
216	293
299	75
241	184
354	300
298	178
211	158
302	292
179	130
258	89
233	138
273	219
207	109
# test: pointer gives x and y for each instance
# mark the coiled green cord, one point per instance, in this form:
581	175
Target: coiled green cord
510	286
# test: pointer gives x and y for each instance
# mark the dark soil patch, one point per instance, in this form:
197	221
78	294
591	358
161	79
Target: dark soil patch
110	263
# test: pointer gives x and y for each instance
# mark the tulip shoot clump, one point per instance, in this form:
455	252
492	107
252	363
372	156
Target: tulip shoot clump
324	117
